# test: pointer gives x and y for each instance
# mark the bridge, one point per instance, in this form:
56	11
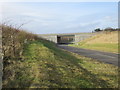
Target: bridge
66	38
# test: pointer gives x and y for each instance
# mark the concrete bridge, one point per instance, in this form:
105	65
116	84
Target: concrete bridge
67	37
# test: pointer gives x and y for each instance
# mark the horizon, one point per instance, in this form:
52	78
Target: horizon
62	17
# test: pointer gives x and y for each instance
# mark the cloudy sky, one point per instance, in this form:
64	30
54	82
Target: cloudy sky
61	17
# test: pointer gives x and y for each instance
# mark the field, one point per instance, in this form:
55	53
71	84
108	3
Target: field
106	41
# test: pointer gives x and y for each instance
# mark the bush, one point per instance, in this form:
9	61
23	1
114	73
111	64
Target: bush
97	30
13	41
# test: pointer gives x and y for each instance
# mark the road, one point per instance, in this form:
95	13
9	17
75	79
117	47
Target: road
110	58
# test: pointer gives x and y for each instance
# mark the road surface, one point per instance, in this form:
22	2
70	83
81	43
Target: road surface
110	58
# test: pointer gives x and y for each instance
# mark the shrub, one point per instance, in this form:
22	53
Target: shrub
13	41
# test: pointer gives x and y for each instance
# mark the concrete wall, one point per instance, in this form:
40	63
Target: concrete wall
52	38
78	36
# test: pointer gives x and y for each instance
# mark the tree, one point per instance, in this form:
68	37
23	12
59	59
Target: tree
109	29
97	30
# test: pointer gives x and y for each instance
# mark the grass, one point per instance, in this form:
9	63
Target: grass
46	66
107	41
106	47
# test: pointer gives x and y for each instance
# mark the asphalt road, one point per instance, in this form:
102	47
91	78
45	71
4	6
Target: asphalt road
110	58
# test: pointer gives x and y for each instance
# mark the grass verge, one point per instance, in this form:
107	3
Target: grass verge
46	66
106	47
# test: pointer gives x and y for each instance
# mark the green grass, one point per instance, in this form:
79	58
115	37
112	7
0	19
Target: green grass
107	47
46	66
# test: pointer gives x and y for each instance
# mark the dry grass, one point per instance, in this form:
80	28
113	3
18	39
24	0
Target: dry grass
106	37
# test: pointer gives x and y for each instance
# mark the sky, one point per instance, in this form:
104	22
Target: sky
61	17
